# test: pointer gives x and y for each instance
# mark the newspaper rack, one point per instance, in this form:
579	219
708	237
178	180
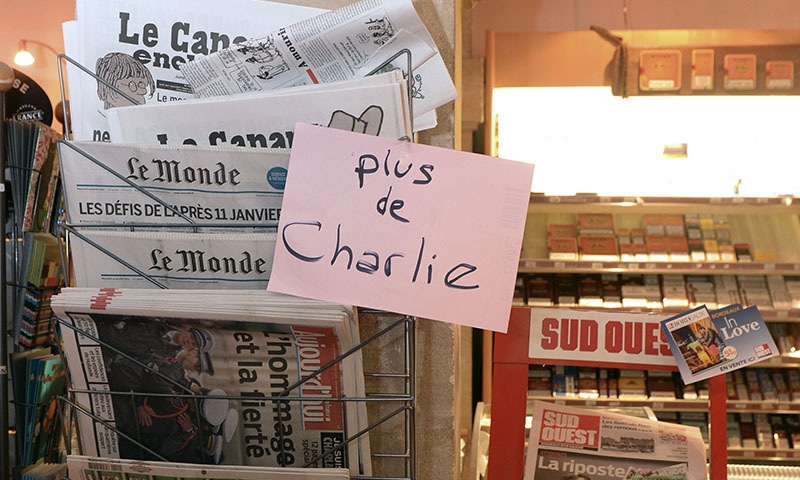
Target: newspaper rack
400	401
390	391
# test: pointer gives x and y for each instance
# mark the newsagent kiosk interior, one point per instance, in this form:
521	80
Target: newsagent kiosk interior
638	126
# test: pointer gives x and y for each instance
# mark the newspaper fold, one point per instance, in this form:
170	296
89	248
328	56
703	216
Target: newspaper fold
90	468
375	105
188	260
183	185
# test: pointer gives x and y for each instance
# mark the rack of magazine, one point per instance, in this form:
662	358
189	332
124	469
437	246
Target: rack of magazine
31	265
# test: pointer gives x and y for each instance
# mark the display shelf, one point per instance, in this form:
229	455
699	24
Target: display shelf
544	265
590	203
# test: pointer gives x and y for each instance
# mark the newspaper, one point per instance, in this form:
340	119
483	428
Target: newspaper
200	382
139	47
708	343
599	445
159	259
172	185
374	105
345	43
81	467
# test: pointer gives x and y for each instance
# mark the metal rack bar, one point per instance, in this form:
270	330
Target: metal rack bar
5	447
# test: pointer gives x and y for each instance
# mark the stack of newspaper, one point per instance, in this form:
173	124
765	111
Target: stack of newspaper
160	55
227	378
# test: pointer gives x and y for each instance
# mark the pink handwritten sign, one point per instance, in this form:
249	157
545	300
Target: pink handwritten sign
413	229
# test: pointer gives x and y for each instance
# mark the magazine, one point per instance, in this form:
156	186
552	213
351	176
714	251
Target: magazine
107	258
333	46
97	468
600	445
708	343
139	47
375	105
32	154
200	383
180	185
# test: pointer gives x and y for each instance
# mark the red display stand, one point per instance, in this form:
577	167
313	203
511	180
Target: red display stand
509	400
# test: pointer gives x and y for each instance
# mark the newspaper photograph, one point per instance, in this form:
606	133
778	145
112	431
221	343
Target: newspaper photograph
138	48
201	381
180	185
81	467
333	46
706	342
374	105
160	259
599	445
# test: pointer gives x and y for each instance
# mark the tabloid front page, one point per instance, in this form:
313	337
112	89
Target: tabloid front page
599	445
333	46
182	185
139	46
200	382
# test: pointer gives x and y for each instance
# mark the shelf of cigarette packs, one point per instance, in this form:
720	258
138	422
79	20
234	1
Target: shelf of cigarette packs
658	235
763	403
